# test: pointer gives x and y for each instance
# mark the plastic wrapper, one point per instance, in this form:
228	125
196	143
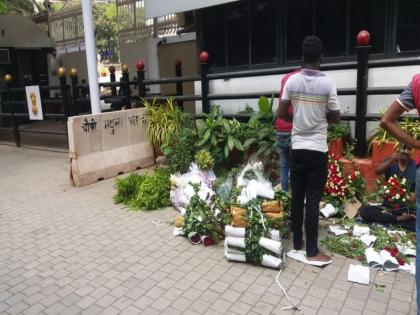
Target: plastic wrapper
275	235
224	190
271	245
239	221
234	231
254	184
179	221
235	242
271	262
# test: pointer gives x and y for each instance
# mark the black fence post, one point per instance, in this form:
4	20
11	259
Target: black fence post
64	92
112	80
75	91
126	86
140	80
363	39
8	79
179	88
204	58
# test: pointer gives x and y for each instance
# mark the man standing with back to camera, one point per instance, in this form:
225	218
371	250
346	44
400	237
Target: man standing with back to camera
313	97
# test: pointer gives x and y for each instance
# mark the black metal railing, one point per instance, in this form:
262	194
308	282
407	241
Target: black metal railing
75	99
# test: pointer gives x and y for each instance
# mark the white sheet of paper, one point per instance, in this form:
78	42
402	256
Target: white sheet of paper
368	239
328	210
359	274
337	230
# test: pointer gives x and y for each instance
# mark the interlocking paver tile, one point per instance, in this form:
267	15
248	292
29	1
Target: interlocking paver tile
73	251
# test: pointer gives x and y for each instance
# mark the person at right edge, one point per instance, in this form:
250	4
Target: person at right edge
313	97
408	100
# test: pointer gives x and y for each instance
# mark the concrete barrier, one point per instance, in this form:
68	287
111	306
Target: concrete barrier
107	144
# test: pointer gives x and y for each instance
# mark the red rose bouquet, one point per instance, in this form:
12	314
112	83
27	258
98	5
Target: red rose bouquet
395	192
336	188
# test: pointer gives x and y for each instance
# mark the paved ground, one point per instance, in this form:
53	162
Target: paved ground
66	250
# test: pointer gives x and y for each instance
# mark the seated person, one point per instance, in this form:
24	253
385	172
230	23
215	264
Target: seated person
403	166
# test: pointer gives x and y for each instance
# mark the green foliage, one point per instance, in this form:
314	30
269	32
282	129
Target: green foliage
345	245
144	191
340	130
204	160
179	149
247	110
408	124
199	218
255	230
219	136
24	7
127	188
106	28
161	121
153	193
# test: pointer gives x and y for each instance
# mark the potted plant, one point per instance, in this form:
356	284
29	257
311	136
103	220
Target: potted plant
382	145
161	121
337	137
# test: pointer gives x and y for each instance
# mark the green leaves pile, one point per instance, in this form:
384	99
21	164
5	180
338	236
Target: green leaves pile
146	191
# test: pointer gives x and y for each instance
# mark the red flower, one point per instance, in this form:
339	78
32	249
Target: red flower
207	241
401	261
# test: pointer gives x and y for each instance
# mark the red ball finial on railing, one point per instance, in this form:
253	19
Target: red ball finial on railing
111	69
178	63
363	38
140	65
204	57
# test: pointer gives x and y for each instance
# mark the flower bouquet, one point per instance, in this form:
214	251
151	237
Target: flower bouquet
336	189
395	192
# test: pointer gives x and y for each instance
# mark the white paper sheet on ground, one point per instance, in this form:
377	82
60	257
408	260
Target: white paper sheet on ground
300	255
337	230
234	231
235	241
410	268
328	210
368	239
373	259
359	274
275	235
359	230
271	261
178	232
390	263
409	249
271	245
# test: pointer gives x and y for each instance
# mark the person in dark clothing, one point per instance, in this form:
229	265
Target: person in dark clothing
403	166
313	97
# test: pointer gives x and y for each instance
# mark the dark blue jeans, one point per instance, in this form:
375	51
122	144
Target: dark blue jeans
284	147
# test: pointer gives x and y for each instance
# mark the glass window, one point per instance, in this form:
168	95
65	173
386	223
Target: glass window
214	35
237	33
372	19
408	28
330	26
299	23
263	31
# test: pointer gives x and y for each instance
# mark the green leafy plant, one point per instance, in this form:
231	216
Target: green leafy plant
153	193
127	188
200	218
161	121
144	191
179	149
340	130
219	136
204	160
